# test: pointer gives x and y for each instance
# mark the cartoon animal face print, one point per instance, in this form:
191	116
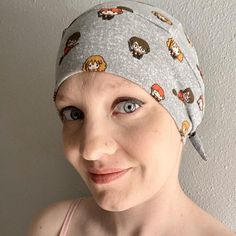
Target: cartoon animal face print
71	42
138	47
109	13
94	63
201	102
185	127
157	92
174	49
162	17
185	96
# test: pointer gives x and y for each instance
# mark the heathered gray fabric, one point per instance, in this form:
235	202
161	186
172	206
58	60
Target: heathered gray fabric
174	80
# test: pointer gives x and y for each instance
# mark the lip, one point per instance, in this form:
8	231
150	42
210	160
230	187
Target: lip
108	176
106	171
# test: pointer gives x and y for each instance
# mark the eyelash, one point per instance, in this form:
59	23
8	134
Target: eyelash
117	101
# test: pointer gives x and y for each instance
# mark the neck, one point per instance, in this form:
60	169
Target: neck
160	214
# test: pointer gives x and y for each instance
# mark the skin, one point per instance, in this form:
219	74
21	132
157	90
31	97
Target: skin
148	199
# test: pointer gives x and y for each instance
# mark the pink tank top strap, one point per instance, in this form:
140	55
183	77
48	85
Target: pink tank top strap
73	206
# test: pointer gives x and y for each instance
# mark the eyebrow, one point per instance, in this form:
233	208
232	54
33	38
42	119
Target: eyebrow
61	97
109	86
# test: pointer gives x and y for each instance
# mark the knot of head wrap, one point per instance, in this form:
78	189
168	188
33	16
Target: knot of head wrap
144	44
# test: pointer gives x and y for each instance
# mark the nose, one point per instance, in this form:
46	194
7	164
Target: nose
97	142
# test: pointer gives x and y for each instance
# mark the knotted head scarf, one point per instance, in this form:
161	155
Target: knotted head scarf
144	44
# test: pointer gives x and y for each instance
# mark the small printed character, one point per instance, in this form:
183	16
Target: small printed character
174	49
201	102
71	42
162	17
138	47
188	39
125	8
94	63
109	13
185	127
185	96
200	71
157	92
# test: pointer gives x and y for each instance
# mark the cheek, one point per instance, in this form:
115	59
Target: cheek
70	148
145	145
152	145
148	138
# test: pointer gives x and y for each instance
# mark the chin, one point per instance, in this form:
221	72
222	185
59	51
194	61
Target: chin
113	206
113	202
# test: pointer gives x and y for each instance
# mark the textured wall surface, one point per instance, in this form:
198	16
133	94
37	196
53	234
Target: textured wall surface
33	170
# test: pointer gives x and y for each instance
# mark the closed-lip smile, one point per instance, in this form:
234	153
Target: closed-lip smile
106	171
107	175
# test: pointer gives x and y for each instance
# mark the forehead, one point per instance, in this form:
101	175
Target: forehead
101	82
106	80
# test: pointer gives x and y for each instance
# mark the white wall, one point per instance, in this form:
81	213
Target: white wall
33	171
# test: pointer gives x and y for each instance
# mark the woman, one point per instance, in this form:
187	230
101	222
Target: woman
118	56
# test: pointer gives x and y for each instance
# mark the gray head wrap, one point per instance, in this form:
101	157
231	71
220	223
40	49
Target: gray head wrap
144	44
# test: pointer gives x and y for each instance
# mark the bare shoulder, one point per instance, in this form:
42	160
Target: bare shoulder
48	221
209	225
218	229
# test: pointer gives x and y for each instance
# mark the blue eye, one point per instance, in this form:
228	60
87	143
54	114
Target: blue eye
70	113
129	105
73	113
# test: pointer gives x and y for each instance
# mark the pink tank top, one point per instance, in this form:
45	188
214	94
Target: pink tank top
73	206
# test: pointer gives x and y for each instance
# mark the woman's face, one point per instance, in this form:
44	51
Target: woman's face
101	132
